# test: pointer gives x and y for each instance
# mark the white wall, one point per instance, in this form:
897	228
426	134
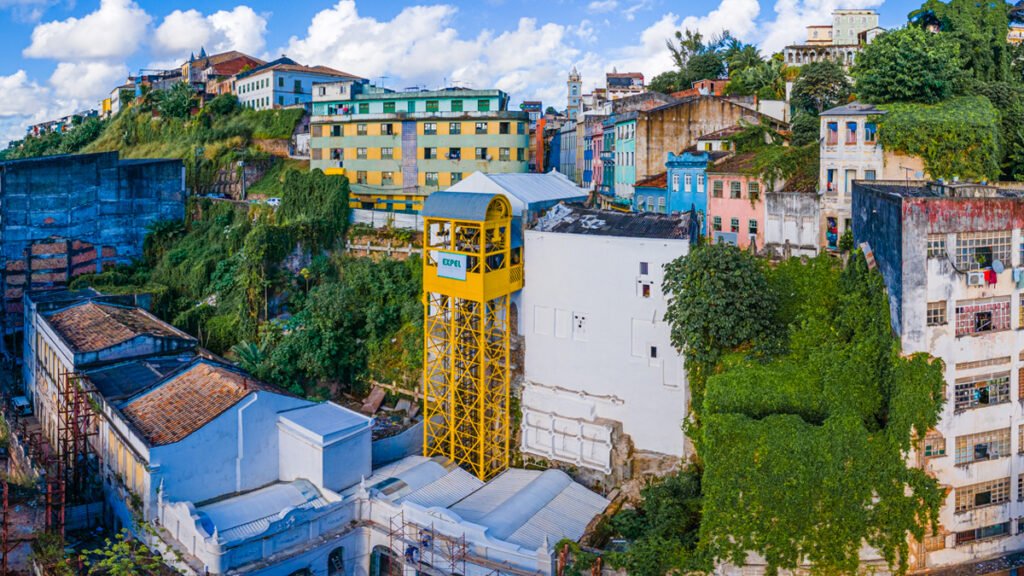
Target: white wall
237	451
589	333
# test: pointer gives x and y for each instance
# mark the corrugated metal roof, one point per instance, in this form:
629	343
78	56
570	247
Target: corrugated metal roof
538	188
428	482
248	515
457	205
853	109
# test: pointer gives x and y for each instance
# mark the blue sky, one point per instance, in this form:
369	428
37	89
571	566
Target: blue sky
65	55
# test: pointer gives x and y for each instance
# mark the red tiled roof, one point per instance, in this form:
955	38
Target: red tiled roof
310	69
656	181
189	400
92	326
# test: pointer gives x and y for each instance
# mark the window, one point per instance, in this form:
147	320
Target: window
389	107
504	127
981	391
735	189
456	177
716	224
336	130
716	189
280	82
364	107
430	153
361	153
644	268
520	155
483	105
936	315
830	180
654	351
280	100
753	191
992	531
851	133
870	133
982	446
661	205
361	129
456	105
983	315
433	106
752	227
455	153
481	127
977	250
503	154
831	133
410	106
387	178
521	129
700	182
430	178
734	225
337	153
387	153
936	245
455	128
481	153
650	203
934	445
386	129
430	128
361	177
982	494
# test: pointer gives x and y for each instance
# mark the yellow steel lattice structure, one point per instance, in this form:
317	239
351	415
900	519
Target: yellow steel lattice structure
470	269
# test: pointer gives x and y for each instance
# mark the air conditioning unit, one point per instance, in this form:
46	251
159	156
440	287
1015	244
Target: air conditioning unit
975	278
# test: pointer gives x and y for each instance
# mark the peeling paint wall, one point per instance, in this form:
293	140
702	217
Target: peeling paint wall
63	216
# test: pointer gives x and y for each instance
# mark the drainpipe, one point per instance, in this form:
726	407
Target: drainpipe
241	442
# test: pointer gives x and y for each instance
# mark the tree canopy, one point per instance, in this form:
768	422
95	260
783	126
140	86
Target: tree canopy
977	28
908	65
820	86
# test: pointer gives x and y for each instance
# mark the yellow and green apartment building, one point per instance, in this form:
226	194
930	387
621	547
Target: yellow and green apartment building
398	147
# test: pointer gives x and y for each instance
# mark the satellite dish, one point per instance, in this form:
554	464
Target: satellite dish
998	267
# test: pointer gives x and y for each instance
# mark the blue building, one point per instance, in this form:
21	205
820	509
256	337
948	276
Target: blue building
682	187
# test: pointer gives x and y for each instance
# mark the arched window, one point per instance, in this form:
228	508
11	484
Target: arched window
383	562
336	562
650	204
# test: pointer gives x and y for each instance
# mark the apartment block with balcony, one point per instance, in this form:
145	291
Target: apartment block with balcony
850	151
952	256
409	144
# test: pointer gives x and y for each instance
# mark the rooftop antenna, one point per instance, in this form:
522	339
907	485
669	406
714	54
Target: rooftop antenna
382	79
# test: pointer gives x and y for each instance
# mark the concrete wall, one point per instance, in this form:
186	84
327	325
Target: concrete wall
791	223
99	205
676	127
597	350
335	466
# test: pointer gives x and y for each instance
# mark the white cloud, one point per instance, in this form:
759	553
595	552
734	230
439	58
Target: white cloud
183	32
114	30
88	81
630	12
27	10
21	95
599	6
739	17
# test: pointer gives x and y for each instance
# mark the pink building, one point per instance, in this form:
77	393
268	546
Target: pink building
596	146
736	212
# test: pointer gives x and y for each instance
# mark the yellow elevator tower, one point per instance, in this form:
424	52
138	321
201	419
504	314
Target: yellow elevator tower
470	269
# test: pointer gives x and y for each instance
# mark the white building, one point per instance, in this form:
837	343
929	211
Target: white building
791	223
952	262
850	151
283	82
600	370
240	477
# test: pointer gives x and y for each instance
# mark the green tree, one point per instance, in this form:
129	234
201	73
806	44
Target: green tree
666	82
123	556
806	129
908	65
977	28
718	301
176	102
820	86
223	105
1008	100
765	80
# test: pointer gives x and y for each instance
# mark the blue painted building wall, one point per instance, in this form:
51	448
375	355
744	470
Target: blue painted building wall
688	183
878	220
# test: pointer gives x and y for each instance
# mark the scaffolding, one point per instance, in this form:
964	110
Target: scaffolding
423	549
75	425
470	270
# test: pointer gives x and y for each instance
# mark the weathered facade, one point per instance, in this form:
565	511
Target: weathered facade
791	223
952	262
677	126
62	216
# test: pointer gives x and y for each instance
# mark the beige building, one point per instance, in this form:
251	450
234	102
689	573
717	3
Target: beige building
840	41
850	151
